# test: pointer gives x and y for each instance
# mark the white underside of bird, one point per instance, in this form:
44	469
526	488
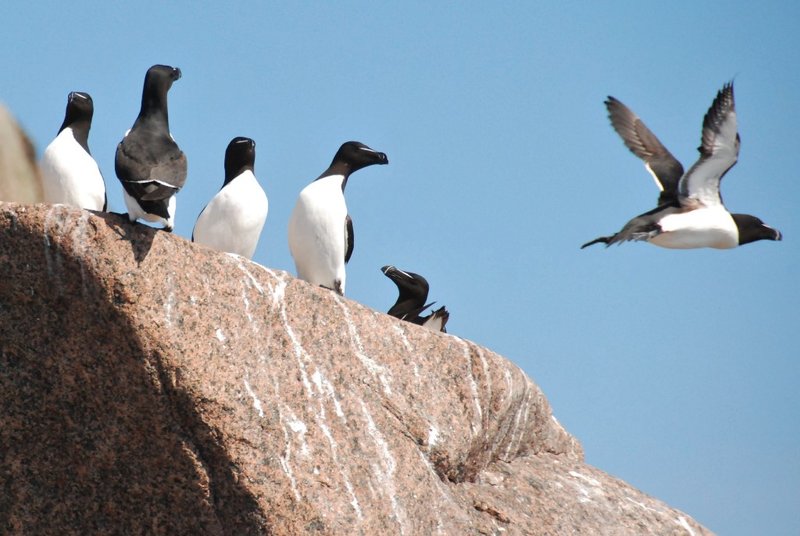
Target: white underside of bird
135	212
705	227
233	219
317	233
434	322
70	175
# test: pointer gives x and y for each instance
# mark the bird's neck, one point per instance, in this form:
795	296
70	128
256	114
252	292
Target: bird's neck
338	168
80	131
233	172
154	108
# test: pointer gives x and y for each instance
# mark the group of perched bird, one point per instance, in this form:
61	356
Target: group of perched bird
152	169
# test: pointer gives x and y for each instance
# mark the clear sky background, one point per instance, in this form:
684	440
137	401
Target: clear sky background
677	370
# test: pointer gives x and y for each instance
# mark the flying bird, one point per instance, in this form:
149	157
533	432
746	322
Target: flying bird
320	229
690	212
70	175
149	163
233	219
410	304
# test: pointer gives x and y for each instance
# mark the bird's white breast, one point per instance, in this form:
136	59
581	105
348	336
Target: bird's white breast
711	227
70	175
233	219
317	232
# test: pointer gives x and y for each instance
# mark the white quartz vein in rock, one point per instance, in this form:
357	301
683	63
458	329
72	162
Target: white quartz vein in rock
473	385
371	365
386	469
685	524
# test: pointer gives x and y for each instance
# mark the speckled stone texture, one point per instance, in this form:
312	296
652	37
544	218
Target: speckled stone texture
151	386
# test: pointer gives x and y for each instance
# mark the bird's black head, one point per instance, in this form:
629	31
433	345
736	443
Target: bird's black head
80	109
239	156
355	155
752	229
409	284
157	82
162	74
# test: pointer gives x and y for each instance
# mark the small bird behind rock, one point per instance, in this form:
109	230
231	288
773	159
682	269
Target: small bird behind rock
690	213
410	303
320	229
70	175
233	219
149	163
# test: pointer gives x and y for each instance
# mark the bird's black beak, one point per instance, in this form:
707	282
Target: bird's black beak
74	95
375	157
777	233
395	273
176	74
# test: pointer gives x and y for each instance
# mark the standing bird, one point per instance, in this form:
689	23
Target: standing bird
70	175
410	303
690	213
149	163
233	219
320	230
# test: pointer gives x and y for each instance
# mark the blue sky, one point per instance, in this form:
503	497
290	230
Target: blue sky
677	370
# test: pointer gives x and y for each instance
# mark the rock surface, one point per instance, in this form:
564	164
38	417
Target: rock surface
19	172
152	386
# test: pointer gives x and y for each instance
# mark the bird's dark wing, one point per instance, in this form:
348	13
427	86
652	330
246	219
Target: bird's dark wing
105	193
349	238
665	168
408	310
719	150
150	168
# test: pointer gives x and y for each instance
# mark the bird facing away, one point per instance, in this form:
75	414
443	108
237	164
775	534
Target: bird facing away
70	175
690	212
233	219
413	289
320	229
149	163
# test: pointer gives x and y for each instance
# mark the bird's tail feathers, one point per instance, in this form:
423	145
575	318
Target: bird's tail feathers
600	240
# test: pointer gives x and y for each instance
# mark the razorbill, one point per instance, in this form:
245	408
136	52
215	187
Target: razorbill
413	291
70	175
233	219
320	229
149	163
690	212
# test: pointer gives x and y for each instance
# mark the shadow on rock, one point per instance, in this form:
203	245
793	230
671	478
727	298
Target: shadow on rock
139	235
95	433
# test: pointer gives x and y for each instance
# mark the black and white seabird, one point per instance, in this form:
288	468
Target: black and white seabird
149	163
690	212
413	289
320	229
233	219
70	175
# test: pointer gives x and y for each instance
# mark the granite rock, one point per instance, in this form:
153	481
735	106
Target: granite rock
153	386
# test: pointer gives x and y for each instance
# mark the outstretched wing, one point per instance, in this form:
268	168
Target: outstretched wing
665	168
719	150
